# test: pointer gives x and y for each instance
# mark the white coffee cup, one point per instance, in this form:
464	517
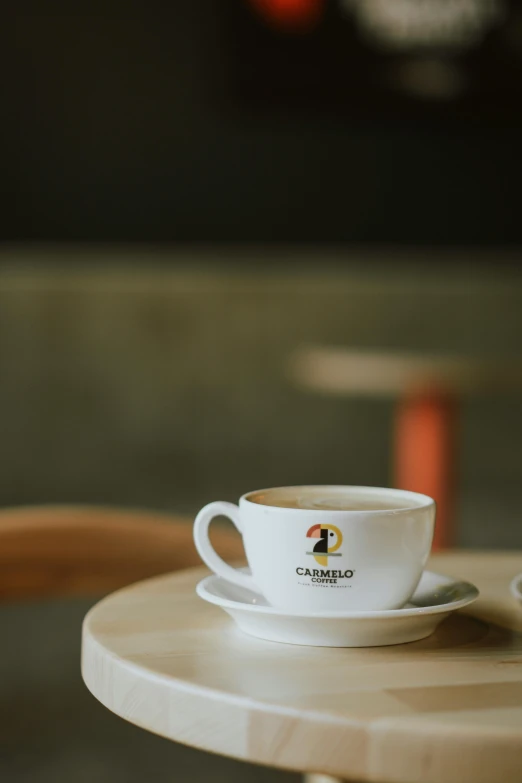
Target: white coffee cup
316	549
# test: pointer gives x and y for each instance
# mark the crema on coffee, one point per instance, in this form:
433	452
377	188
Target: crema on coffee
327	499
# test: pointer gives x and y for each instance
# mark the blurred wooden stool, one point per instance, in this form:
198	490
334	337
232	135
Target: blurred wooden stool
50	551
428	390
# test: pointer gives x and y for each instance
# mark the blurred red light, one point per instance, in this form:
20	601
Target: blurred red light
297	14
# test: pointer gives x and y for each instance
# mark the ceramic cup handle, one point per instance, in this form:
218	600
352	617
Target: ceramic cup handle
207	552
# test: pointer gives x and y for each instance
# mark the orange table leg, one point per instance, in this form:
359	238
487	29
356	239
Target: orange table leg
425	454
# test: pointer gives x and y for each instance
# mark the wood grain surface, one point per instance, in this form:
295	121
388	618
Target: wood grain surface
446	709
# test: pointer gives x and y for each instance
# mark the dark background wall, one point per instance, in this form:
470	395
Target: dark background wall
187	121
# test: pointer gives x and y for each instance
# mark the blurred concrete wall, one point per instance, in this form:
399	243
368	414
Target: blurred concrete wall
159	379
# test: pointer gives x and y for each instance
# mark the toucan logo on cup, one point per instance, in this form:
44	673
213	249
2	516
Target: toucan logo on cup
329	540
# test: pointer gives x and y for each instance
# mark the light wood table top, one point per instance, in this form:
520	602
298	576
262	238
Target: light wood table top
447	709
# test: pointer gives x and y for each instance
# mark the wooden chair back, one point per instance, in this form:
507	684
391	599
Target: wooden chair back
59	551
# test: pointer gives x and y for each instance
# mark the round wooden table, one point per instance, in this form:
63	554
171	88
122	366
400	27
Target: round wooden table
447	709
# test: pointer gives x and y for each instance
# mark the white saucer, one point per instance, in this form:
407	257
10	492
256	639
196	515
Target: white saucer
435	598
